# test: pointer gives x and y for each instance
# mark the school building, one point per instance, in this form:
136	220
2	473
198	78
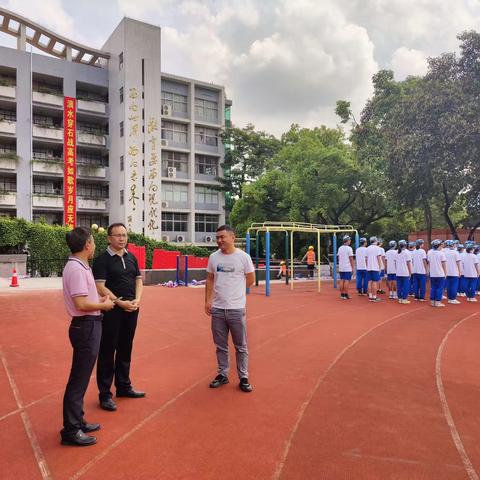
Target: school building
95	136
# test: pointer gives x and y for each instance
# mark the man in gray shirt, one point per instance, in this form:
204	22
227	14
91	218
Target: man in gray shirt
230	272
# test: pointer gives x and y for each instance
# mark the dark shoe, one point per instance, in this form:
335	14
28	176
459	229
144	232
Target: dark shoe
218	381
244	385
130	394
108	404
78	439
90	427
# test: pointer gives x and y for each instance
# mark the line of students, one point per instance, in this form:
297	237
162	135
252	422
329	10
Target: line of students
448	264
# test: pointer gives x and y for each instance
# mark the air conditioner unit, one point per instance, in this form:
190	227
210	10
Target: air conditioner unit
209	239
164	143
180	238
165	238
167	110
171	172
164	204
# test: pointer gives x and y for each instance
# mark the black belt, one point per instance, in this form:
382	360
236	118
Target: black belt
84	318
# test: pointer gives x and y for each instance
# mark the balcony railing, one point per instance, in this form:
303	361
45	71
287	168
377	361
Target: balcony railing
48	98
92	106
8	160
88	203
7	91
49	132
45	200
8	198
8	127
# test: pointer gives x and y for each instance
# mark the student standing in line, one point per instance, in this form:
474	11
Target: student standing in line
382	272
230	272
419	268
361	267
84	306
477	253
461	283
411	249
453	271
310	258
374	267
403	268
390	256
438	271
471	272
345	266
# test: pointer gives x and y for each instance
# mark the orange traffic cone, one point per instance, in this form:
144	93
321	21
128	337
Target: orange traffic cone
14	282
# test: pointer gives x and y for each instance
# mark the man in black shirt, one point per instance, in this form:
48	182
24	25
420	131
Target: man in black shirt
117	275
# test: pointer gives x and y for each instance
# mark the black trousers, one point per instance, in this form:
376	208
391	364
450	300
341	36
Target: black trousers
116	351
84	333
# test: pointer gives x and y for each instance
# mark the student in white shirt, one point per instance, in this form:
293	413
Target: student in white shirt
390	269
477	253
361	267
403	268
438	271
453	271
419	269
411	249
345	266
461	283
382	271
374	267
471	270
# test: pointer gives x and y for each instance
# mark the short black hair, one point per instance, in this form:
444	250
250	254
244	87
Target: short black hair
77	239
113	225
227	228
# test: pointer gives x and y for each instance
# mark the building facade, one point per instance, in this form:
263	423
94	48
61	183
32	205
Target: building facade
147	144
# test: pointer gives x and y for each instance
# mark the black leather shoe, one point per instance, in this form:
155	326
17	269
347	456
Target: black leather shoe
218	381
90	427
131	394
108	404
244	385
78	439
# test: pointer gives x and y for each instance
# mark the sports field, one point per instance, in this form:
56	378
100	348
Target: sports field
342	390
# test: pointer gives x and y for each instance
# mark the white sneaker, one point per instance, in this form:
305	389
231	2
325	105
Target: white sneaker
439	304
454	302
473	300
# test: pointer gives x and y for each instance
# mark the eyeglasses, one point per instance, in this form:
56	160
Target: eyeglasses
120	235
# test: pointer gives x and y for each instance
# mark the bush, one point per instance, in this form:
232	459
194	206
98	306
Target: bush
48	250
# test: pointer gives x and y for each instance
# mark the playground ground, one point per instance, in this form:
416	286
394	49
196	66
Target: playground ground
342	390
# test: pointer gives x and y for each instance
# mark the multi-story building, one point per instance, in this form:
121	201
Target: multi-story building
147	144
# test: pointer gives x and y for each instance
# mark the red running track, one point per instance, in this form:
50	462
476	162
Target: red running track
342	390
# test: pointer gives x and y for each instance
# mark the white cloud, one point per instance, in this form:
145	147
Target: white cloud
408	61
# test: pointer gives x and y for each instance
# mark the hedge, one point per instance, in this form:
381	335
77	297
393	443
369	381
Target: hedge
48	250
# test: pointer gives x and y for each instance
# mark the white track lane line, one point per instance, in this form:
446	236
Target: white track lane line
303	408
37	451
472	474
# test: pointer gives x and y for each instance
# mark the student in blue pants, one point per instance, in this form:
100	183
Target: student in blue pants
461	283
471	270
403	266
411	291
361	267
419	268
453	271
438	273
477	253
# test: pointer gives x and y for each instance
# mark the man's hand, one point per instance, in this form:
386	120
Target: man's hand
126	305
107	304
136	303
208	308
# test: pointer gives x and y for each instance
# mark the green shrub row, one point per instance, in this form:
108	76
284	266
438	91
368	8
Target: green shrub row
48	250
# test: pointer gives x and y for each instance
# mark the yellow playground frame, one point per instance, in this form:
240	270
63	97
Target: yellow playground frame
289	229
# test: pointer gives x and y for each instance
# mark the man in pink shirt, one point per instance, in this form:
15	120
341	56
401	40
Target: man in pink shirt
84	306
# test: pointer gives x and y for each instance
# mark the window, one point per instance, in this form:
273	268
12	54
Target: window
120	61
174	159
121	129
206	195
121	94
176	101
206	223
174	192
8	115
47	188
91	128
122	163
206	136
87	220
92	191
47	122
46	154
121	197
6	149
50	218
8	184
176	132
174	222
206	109
94	159
205	165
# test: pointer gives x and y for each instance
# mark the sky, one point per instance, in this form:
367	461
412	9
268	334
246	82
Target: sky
281	61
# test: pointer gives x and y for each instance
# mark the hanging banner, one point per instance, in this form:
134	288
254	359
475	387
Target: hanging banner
70	162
